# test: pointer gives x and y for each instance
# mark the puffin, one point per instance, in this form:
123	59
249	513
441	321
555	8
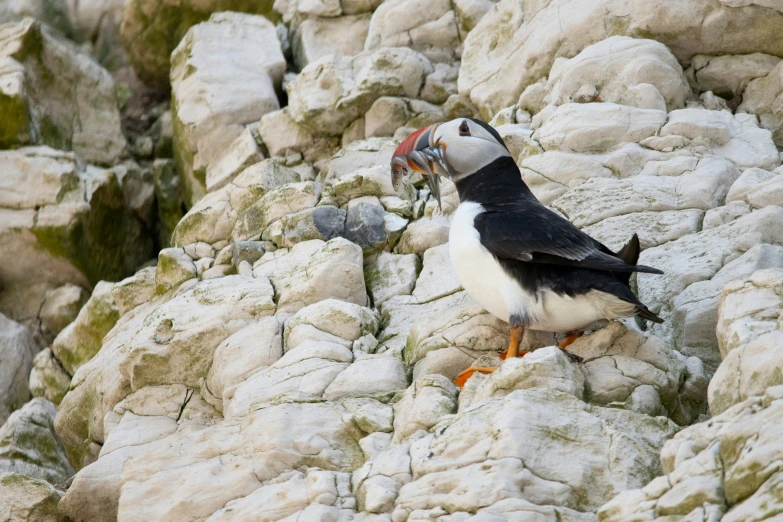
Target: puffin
522	262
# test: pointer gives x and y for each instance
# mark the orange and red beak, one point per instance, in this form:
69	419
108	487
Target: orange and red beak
420	153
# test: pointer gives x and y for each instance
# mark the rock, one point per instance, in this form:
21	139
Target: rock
29	446
365	225
213	218
430	29
135	290
513	47
354	84
81	339
159	345
318	37
17	350
48	378
375	181
762	97
151	30
376	376
614	125
168	194
242	153
313	271
60	308
174	268
275	204
423	405
729	75
423	234
209	104
440	460
371	153
748	337
284	136
703	188
390	275
25	499
620	59
653	228
73	224
45	99
323	222
695	267
54	14
710	472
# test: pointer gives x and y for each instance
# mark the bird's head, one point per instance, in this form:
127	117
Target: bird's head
455	150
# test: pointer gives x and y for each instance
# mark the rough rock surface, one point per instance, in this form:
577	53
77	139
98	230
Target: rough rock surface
17	350
290	354
53	95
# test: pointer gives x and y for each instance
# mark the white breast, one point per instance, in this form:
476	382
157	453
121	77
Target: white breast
501	295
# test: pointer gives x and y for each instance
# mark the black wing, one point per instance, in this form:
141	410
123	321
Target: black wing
538	235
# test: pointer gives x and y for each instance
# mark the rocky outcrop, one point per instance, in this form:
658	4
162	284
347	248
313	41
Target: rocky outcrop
152	29
75	224
53	95
17	350
25	499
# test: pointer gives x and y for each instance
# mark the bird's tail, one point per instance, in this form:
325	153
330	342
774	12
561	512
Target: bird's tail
630	254
644	313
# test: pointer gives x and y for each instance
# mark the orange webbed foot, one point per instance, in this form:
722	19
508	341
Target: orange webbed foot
464	375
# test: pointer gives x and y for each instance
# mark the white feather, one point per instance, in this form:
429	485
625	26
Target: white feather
501	295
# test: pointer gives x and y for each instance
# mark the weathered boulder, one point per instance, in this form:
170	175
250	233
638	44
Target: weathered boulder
317	37
211	69
48	378
17	350
59	309
53	13
53	95
517	44
716	470
152	29
763	98
729	75
29	445
25	499
75	225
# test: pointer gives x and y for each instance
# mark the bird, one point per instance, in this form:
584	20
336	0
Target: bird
522	262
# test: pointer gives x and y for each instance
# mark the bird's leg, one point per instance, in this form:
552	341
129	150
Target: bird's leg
512	351
517	332
573	336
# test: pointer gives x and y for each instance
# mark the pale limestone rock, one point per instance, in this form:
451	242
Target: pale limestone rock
762	97
134	290
735	138
517	44
81	339
726	214
323	222
29	446
60	307
48	378
315	38
243	455
695	266
703	188
623	70
423	234
211	67
213	218
313	271
391	274
338	318
174	268
54	14
374	181
72	224
332	92
385	116
712	472
242	153
17	350
169	340
56	96
423	405
370	153
653	228
275	204
25	499
283	136
611	125
430	28
151	29
729	75
376	376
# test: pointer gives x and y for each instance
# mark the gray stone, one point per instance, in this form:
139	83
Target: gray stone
17	350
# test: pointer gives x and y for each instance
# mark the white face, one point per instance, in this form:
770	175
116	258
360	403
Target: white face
469	146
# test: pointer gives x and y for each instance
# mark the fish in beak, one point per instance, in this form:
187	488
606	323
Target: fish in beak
421	153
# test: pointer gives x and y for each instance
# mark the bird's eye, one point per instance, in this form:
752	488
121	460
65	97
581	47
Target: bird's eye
464	130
